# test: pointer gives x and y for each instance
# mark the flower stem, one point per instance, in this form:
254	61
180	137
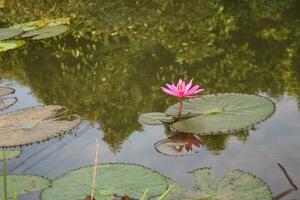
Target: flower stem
180	107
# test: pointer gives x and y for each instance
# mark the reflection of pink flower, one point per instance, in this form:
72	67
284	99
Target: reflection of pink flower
182	90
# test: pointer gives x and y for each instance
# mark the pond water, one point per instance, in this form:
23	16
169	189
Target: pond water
110	66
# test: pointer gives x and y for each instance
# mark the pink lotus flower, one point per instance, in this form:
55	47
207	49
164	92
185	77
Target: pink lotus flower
182	91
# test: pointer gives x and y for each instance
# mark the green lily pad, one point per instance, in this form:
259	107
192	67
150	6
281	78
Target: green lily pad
36	124
111	179
24	184
180	192
8	33
29	26
46	32
235	185
9	154
154	118
10	44
221	113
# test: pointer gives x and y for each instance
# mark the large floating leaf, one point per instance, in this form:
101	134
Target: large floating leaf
179	145
10	44
235	185
35	124
6	102
9	154
6	91
154	118
8	33
24	184
29	26
221	113
46	32
111	179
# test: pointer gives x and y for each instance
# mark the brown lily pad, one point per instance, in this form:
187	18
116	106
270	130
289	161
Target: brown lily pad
6	91
180	144
35	124
6	102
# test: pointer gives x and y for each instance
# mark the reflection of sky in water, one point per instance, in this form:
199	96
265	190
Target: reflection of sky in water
275	140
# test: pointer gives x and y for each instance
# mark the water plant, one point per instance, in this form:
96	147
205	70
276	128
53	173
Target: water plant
214	113
35	124
35	30
181	90
13	185
6	102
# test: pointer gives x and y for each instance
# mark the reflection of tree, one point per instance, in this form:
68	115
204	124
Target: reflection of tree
110	68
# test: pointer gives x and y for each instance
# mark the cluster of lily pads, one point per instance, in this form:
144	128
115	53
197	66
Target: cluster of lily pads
13	37
35	124
213	114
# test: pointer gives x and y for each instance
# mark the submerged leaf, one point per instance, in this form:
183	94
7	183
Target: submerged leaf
46	32
235	185
35	124
8	33
179	145
154	118
24	184
9	154
221	113
112	180
10	44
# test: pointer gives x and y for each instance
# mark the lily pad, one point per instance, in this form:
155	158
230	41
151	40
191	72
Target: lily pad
10	44
6	102
24	184
155	118
8	33
35	124
46	32
9	154
221	113
6	91
181	144
29	26
235	185
111	180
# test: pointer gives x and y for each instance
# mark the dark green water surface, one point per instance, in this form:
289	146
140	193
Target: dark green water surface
111	65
